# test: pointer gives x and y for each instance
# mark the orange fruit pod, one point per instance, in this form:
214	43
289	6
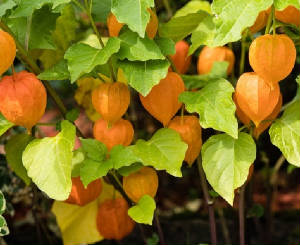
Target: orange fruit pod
7	51
190	131
260	22
181	59
23	99
289	15
264	124
272	57
140	183
162	101
120	133
255	97
250	174
111	100
80	195
209	55
113	221
114	26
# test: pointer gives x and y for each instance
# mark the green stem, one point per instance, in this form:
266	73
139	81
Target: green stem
243	53
274	21
168	8
88	9
268	26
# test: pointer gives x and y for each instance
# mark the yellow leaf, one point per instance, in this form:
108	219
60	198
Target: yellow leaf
121	77
78	223
83	96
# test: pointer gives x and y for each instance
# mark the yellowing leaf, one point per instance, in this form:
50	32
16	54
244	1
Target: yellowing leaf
83	96
77	223
121	76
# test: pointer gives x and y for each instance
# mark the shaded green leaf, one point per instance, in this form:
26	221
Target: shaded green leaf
133	13
100	10
93	149
285	133
143	211
125	171
142	76
219	70
49	162
83	58
4	124
166	45
14	149
135	48
214	105
226	162
6	5
58	72
180	27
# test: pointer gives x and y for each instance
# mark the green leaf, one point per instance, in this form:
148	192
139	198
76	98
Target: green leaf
234	16
6	5
64	35
94	149
14	149
2	203
142	76
3	227
4	124
49	162
94	167
219	70
204	34
57	72
164	151
214	105
26	7
77	161
166	45
226	162
193	7
100	10
121	156
256	210
83	58
72	115
125	171
135	48
143	211
282	4
92	170
42	28
180	27
285	133
133	13
154	240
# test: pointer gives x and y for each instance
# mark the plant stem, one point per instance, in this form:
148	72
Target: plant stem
274	21
168	8
88	8
274	175
224	226
209	203
159	229
242	215
269	21
243	53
